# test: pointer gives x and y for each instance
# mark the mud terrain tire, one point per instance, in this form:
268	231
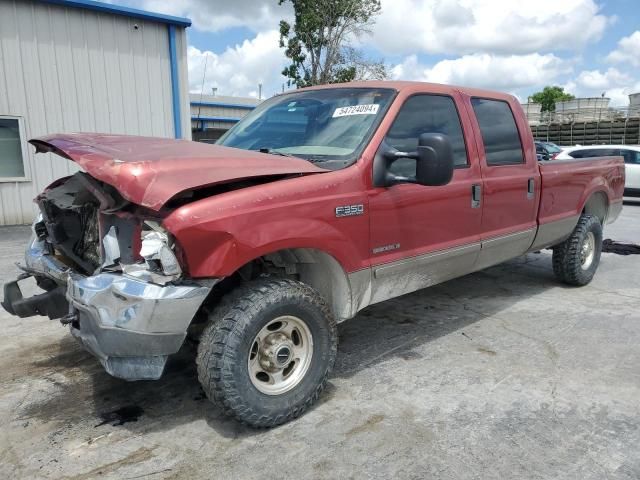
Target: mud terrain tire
248	326
576	260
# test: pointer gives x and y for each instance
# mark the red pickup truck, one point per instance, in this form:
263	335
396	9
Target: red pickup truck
317	204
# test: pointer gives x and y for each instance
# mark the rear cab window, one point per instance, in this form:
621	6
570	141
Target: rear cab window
500	135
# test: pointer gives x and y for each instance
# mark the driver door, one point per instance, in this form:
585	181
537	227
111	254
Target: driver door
423	235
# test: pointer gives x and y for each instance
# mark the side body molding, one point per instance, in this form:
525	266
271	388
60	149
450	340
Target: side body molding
410	274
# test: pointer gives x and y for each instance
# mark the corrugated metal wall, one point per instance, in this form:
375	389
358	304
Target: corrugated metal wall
218	111
75	70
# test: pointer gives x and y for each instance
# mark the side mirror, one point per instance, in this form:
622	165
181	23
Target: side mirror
434	162
434	159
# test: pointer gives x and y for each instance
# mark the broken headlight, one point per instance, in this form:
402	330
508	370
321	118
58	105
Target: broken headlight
157	250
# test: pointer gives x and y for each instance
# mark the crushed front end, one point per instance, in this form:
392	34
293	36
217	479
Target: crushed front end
110	272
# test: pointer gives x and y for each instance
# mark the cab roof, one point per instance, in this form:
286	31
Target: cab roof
402	85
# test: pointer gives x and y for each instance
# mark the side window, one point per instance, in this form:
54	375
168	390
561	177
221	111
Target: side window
425	114
11	154
499	132
606	152
630	156
583	153
595	152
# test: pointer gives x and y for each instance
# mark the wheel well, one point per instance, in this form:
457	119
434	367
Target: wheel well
314	267
597	205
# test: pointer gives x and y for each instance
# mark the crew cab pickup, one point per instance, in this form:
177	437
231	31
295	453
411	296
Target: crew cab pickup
315	205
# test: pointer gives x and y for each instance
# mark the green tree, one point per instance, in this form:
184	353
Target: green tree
319	42
549	96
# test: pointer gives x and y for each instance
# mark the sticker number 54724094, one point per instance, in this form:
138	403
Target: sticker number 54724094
368	109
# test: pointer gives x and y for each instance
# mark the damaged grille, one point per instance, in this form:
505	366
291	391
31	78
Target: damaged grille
89	226
88	245
70	216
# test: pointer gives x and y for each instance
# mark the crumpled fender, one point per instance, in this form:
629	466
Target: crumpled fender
220	253
220	234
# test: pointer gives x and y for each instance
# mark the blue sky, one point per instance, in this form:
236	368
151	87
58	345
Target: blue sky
589	47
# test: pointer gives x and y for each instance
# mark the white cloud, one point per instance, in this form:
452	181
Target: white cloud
239	69
213	16
628	50
595	79
498	44
484	70
615	85
620	96
494	26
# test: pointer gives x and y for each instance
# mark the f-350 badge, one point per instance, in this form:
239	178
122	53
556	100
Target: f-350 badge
349	210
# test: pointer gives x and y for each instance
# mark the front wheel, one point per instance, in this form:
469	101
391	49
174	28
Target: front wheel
576	260
265	356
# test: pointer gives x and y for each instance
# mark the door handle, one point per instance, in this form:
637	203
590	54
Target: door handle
531	185
476	195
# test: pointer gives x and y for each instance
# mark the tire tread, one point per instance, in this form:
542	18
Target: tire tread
566	255
216	352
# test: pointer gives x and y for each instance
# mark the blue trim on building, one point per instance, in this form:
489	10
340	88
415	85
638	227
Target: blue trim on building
121	10
215	119
243	106
175	82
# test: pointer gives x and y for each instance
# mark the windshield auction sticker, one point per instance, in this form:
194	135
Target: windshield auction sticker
368	109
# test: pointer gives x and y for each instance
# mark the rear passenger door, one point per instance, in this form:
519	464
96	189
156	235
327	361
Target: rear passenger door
511	183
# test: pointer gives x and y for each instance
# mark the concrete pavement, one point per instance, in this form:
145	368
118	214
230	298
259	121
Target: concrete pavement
504	373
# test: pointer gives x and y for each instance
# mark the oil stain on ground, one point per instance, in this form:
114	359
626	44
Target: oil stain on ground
610	246
122	415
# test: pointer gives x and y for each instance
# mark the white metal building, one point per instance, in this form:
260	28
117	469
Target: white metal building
82	66
211	115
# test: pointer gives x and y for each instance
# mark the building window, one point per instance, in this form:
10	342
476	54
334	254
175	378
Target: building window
11	149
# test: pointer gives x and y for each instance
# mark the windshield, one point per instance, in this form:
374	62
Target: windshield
329	126
552	148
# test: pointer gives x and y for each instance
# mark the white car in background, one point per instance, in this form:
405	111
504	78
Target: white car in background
630	153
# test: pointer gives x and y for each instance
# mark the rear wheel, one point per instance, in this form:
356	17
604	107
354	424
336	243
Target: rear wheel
576	260
266	354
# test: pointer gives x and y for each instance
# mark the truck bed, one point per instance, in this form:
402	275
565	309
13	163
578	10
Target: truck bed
566	184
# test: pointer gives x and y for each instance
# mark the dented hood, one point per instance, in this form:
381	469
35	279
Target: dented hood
149	171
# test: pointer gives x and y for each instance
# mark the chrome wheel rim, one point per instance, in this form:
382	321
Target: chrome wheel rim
587	251
280	355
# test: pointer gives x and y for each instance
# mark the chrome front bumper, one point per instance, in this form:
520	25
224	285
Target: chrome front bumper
130	325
